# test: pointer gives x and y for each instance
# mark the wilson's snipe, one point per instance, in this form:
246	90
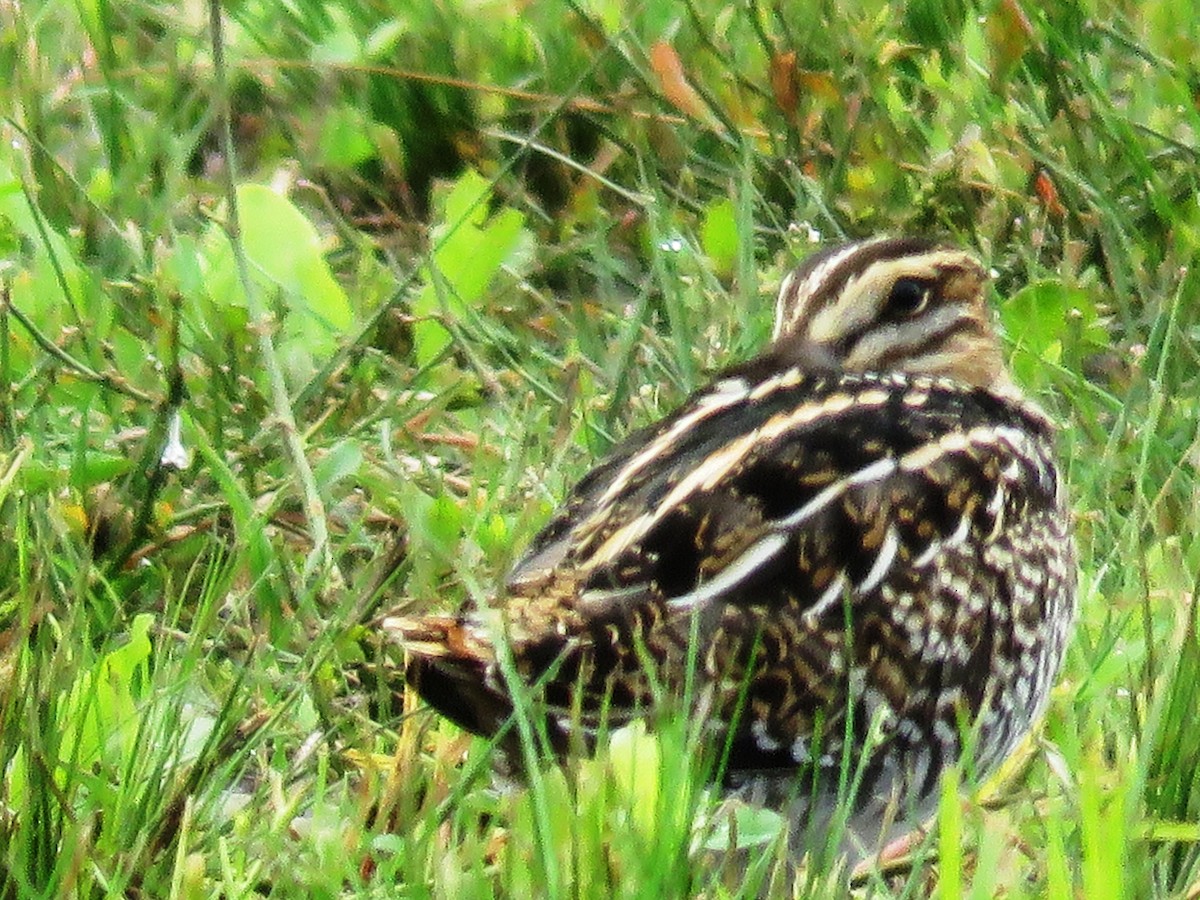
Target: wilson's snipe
854	549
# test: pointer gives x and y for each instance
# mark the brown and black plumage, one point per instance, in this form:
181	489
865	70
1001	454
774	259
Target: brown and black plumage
854	548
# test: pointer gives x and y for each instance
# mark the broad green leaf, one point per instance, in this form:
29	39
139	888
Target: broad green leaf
493	536
345	138
752	826
286	258
445	522
285	247
49	264
435	530
340	44
1049	323
719	236
469	249
635	761
100	712
88	470
95	468
383	38
98	716
609	13
249	524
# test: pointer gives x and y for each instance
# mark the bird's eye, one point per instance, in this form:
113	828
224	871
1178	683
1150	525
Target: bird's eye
909	296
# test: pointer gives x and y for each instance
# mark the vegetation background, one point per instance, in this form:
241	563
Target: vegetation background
322	317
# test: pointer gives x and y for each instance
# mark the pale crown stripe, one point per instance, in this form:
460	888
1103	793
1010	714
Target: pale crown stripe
785	288
786	314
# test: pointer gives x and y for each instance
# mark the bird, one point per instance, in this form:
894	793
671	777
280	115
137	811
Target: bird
851	555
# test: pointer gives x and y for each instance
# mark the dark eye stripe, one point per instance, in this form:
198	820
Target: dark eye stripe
897	353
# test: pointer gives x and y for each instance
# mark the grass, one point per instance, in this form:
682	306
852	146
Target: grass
474	244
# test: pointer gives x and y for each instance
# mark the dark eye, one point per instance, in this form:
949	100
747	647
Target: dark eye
908	297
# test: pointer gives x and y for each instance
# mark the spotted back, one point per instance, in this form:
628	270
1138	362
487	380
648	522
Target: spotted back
861	531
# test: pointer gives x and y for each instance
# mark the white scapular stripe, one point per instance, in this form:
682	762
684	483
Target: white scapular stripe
958	441
733	574
719	464
765	742
727	392
766	547
883	561
876	471
831	594
709	473
600	598
928	554
961	532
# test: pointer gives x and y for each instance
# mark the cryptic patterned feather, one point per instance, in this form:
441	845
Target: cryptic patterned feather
855	546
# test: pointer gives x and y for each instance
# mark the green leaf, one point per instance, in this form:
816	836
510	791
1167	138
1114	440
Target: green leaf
444	523
435	531
340	44
345	138
719	236
48	263
635	764
123	670
249	523
98	716
283	245
13	467
752	826
95	468
342	461
383	38
1049	323
493	536
469	249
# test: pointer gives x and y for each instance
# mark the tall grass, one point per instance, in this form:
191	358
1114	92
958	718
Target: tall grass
498	237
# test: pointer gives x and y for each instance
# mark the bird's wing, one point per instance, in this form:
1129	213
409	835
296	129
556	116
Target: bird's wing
792	488
734	537
765	508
